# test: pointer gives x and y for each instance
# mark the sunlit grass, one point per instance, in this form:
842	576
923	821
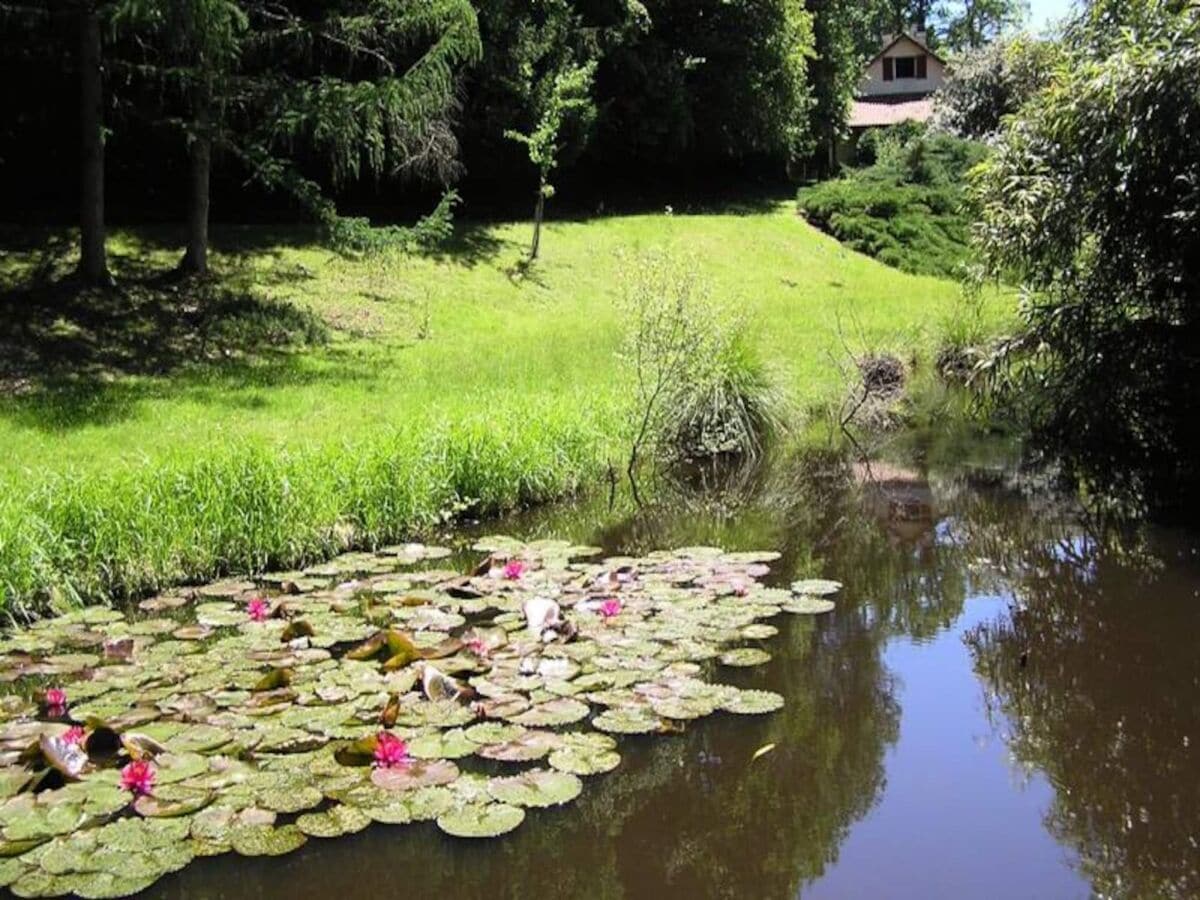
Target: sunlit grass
447	379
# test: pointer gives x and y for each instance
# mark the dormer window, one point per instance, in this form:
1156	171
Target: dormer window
901	68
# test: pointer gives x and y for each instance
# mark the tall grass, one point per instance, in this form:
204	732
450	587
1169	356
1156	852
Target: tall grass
249	508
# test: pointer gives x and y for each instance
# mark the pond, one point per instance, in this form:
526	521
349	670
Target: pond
1001	703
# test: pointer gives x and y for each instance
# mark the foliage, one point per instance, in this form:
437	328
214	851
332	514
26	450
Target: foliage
383	418
904	209
566	95
991	82
971	24
1091	204
707	81
699	388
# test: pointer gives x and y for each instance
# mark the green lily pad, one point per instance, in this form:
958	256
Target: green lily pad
537	788
415	774
263	840
752	703
806	605
528	746
561	711
816	587
481	820
333	822
744	657
628	720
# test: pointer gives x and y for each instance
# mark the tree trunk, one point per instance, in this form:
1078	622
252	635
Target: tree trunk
539	212
93	263
195	257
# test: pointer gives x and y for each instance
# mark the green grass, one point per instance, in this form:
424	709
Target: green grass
446	382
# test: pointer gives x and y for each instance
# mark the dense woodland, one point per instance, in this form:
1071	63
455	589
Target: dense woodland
383	106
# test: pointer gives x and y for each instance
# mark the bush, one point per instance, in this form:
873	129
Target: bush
1090	203
906	208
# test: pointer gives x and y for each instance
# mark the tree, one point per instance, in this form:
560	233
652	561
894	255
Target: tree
566	93
93	259
991	82
367	86
1091	202
969	24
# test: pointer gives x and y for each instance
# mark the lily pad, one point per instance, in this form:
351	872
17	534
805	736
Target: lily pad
807	605
263	840
752	703
415	774
537	788
745	657
481	820
816	587
334	822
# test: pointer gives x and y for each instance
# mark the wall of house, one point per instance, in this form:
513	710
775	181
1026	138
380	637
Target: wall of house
873	84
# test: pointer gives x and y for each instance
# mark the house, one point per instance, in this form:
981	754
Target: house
897	86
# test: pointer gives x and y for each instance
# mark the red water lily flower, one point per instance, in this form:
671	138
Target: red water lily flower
611	607
138	777
390	751
514	569
478	646
56	697
258	609
74	735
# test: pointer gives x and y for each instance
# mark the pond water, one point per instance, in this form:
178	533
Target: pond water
1001	705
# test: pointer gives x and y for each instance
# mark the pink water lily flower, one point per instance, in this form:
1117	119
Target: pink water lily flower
514	569
138	777
56	697
390	751
258	609
74	735
611	607
478	646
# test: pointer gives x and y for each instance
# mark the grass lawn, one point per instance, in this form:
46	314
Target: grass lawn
444	379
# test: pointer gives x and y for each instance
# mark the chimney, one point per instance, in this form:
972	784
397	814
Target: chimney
920	35
888	37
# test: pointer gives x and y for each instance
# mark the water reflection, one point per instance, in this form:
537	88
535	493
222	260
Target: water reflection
1106	705
1096	674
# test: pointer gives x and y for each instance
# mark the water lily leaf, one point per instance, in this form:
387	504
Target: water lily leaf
537	787
528	746
99	885
562	711
759	632
181	804
752	703
806	605
628	720
416	774
260	840
297	629
274	680
290	798
745	657
493	733
816	587
453	744
579	760
481	820
334	822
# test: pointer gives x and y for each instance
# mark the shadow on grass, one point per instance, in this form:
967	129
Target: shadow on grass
72	356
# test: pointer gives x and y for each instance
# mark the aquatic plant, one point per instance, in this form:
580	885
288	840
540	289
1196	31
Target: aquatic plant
372	693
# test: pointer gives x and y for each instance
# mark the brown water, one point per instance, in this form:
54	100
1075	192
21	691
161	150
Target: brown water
1001	706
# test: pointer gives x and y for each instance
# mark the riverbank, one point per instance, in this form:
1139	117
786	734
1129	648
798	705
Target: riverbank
377	398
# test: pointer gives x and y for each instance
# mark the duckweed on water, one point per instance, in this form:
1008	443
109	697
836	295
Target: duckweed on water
249	717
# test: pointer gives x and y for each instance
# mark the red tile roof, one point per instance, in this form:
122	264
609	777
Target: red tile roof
871	113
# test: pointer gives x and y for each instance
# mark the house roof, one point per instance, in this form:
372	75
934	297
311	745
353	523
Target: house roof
870	113
898	38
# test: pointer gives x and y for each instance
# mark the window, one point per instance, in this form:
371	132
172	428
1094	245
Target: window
905	67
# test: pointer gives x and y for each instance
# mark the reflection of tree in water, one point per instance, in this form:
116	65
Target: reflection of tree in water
1097	673
694	815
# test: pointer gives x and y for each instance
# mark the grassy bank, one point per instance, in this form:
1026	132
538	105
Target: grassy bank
442	381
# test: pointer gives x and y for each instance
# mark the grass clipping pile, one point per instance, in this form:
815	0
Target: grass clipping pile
250	717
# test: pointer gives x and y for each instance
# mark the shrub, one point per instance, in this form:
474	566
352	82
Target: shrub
906	208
